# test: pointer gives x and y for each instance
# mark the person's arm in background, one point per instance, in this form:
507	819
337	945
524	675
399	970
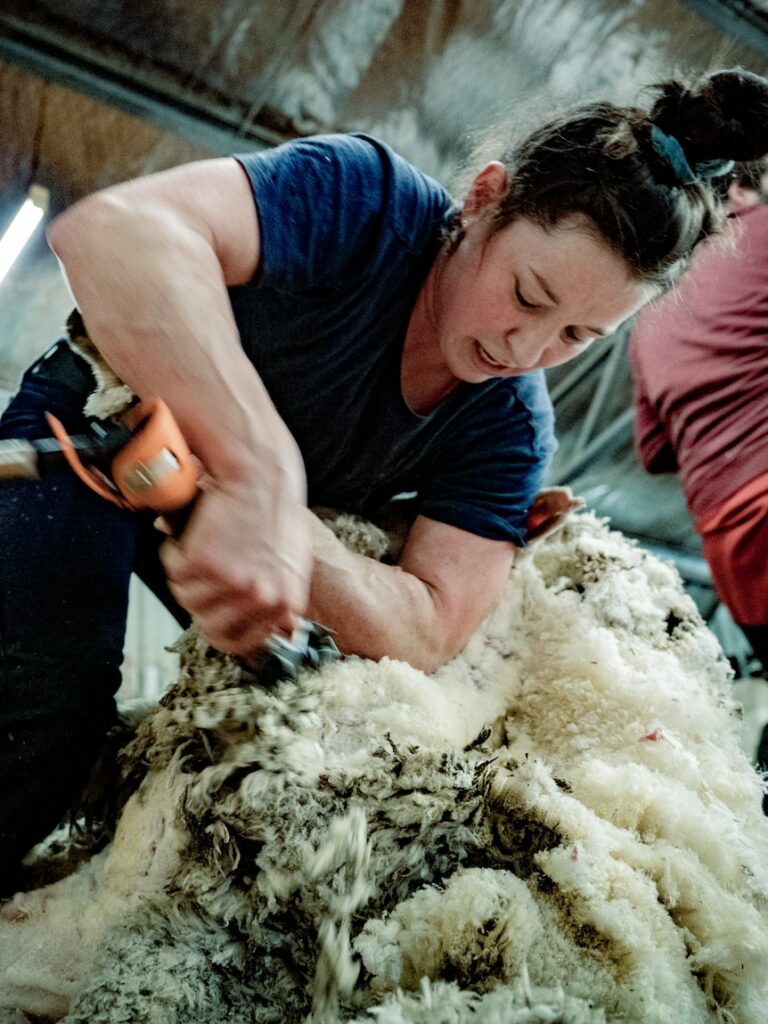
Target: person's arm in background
651	441
148	263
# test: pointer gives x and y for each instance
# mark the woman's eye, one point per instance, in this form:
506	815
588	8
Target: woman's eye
523	301
572	338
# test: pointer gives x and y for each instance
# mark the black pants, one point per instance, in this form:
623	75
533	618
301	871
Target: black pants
758	640
762	761
66	557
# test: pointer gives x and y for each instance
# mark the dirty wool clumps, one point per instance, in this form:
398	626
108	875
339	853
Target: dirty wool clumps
557	826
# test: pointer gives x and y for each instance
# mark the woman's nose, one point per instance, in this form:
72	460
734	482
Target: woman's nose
528	344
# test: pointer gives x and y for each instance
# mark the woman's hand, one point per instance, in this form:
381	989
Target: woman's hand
243	563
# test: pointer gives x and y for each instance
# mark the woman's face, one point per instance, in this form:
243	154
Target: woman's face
525	297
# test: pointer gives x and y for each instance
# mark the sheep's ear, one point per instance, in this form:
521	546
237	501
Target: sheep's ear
550	509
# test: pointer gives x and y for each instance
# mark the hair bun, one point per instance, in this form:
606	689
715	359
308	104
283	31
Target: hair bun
722	116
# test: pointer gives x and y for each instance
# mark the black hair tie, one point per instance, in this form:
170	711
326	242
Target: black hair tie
673	155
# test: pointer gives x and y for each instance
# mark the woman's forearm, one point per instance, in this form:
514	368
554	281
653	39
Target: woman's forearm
374	609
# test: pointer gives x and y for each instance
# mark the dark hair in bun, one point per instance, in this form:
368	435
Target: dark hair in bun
642	178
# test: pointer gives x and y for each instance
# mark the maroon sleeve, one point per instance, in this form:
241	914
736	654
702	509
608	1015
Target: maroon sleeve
652	444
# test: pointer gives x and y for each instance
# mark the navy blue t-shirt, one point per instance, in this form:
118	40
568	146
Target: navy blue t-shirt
349	231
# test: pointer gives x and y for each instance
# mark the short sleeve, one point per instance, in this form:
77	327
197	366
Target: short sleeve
323	203
488	478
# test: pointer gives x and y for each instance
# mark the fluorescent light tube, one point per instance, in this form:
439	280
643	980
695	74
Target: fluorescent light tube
22	226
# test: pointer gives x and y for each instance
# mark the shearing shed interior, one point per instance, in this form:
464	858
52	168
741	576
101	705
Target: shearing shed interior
563	824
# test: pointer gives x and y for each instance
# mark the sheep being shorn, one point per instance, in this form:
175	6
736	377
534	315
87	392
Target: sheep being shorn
557	826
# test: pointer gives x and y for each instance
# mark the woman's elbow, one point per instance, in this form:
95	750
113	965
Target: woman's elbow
443	643
79	229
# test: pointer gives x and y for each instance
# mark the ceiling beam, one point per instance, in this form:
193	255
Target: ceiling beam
745	20
148	95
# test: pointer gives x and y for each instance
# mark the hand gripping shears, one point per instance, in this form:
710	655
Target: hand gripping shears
143	462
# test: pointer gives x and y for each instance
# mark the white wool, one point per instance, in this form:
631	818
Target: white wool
521	1003
47	933
445	709
560	821
484	923
437	930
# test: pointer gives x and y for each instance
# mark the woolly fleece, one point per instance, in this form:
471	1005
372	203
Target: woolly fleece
557	826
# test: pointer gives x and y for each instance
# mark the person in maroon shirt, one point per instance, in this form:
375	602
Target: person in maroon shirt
700	371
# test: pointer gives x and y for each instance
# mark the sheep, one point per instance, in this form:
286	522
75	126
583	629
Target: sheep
558	825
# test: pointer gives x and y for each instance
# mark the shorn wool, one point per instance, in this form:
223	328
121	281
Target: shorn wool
558	826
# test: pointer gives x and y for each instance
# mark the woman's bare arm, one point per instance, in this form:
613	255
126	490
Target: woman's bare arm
148	263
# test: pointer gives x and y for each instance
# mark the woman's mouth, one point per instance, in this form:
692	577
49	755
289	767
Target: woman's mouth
487	360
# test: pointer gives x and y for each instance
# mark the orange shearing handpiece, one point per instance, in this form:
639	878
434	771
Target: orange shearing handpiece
153	470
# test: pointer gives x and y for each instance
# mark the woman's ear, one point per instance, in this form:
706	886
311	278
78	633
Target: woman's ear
487	187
